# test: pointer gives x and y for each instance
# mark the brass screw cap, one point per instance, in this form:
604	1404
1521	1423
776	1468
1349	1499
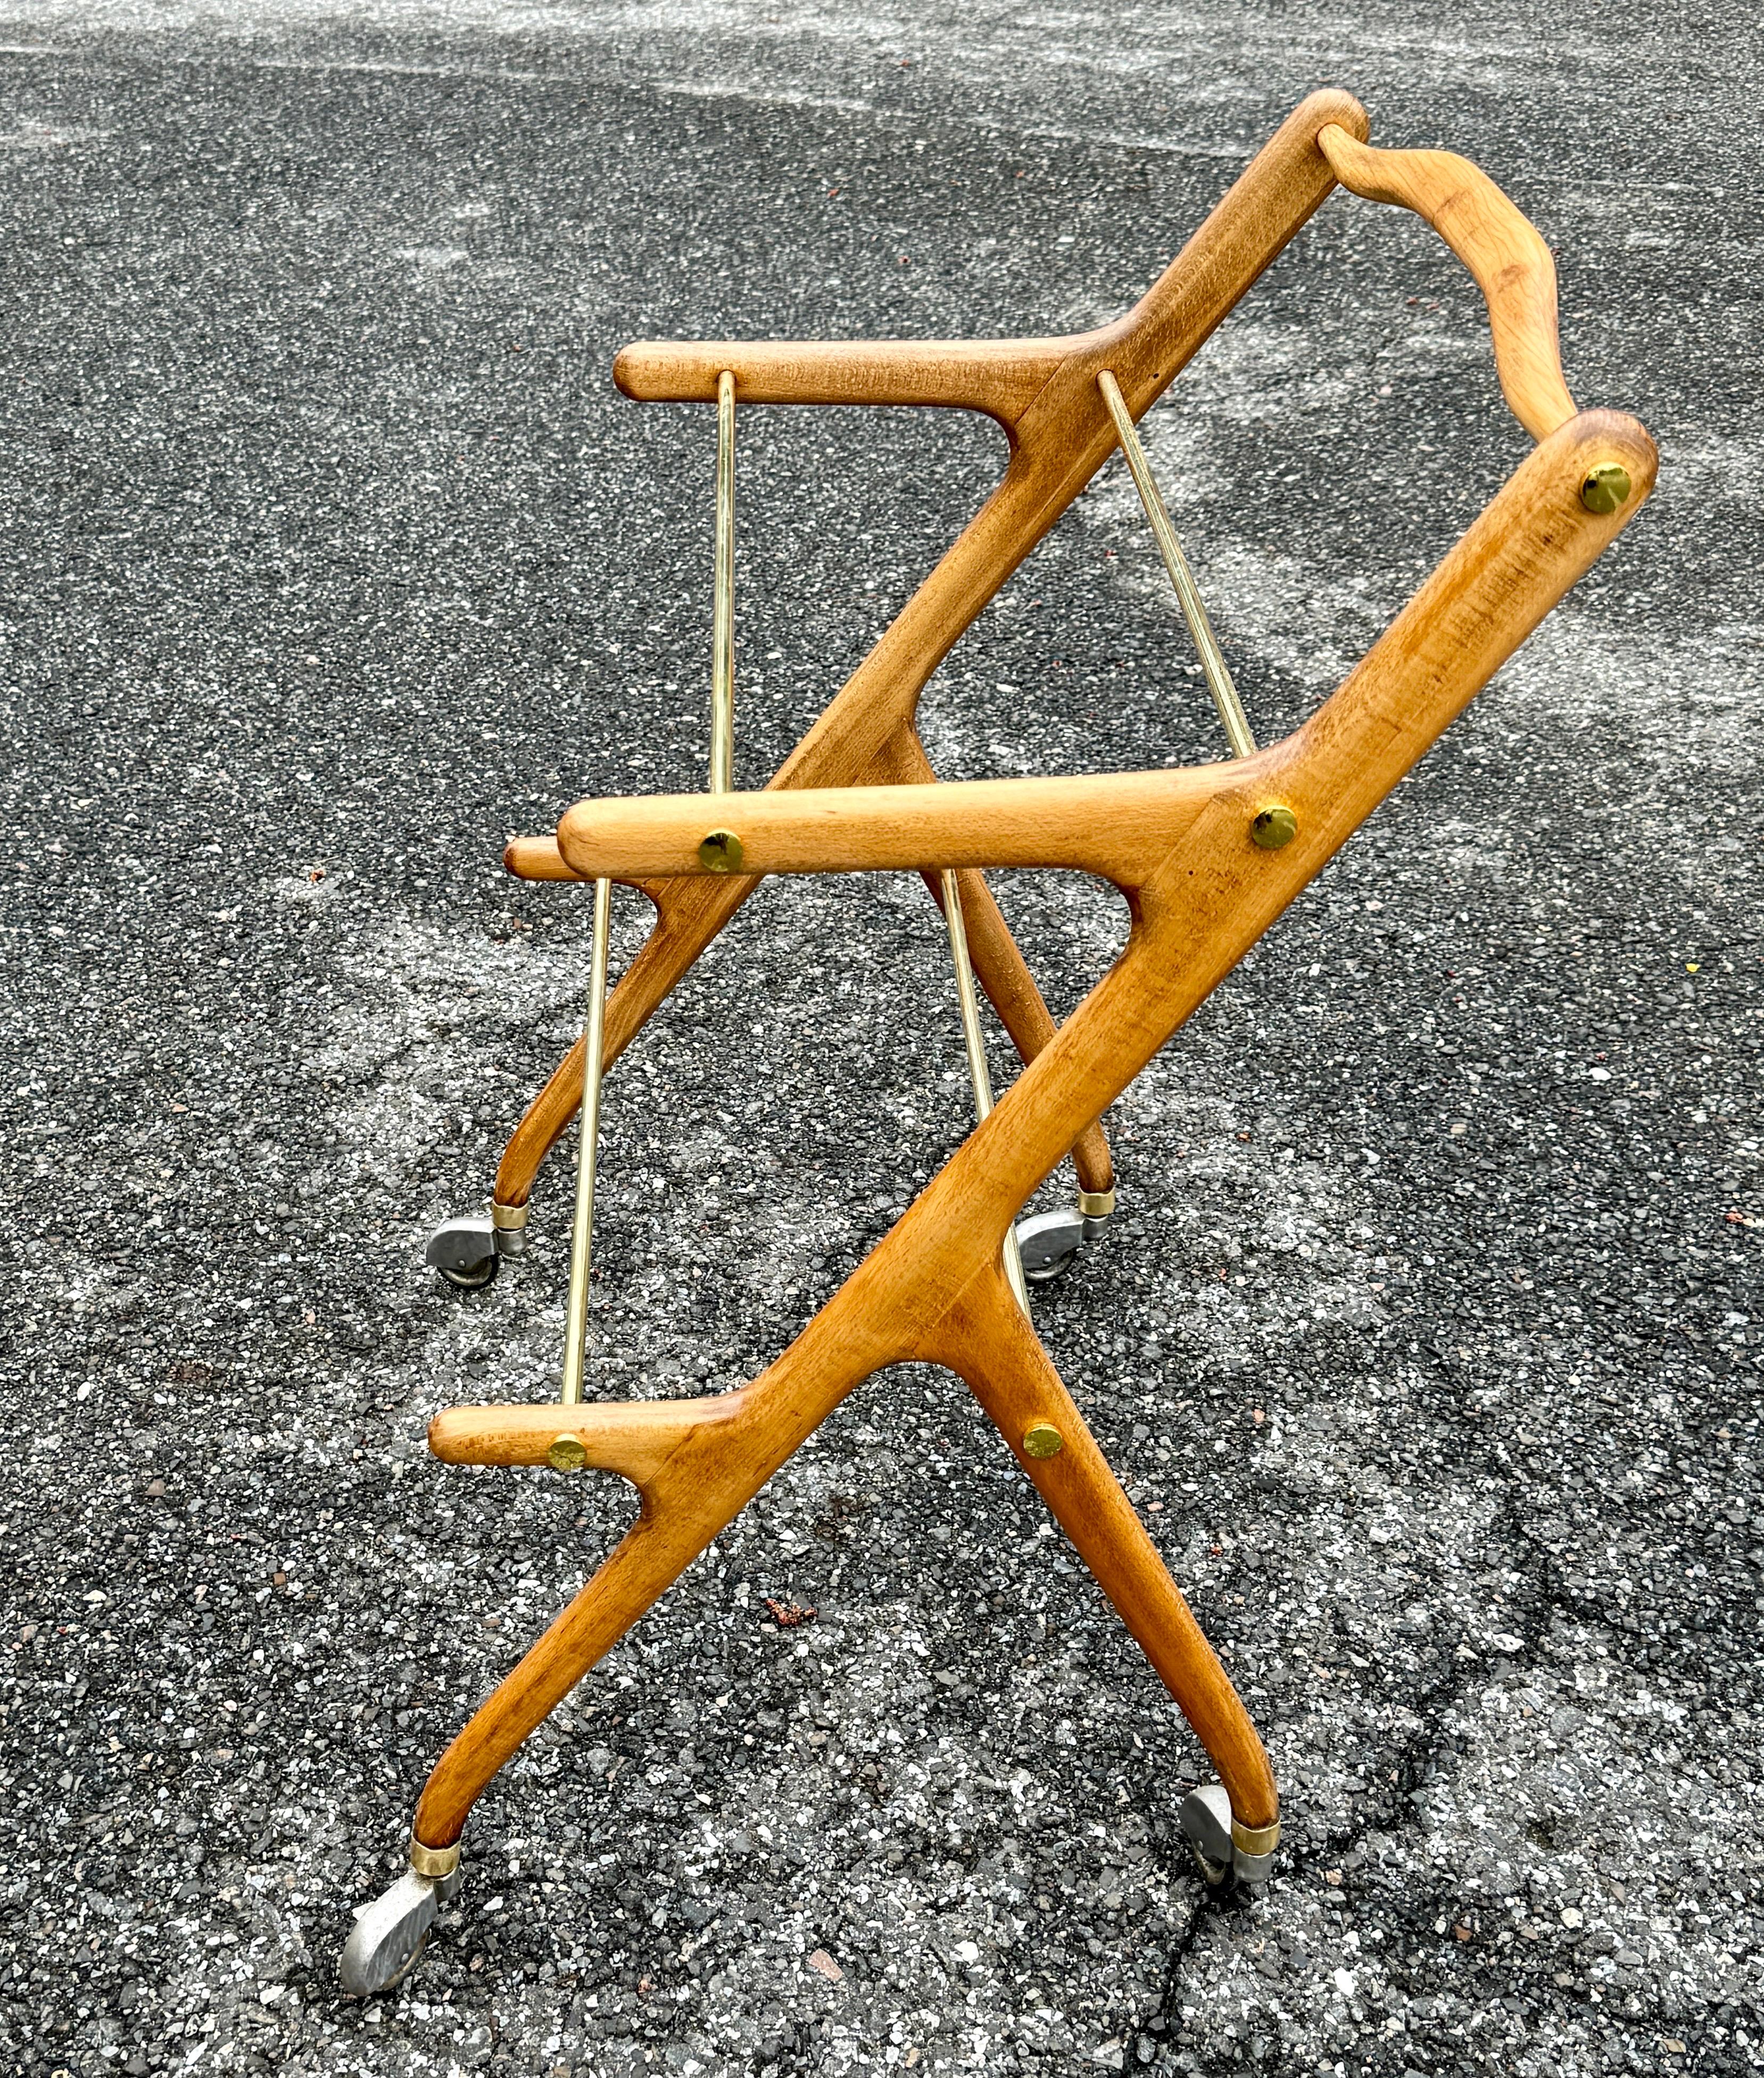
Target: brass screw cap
720	852
1273	828
1605	488
1041	1439
566	1455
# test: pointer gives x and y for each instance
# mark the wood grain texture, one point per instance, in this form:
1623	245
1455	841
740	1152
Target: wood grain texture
636	1439
1001	378
537	858
1063	435
933	1289
1501	247
1115	826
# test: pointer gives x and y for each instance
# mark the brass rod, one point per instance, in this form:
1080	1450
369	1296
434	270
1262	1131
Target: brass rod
1212	660
723	631
582	1226
975	1040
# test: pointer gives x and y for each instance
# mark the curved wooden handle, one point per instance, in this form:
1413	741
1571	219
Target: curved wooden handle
1497	243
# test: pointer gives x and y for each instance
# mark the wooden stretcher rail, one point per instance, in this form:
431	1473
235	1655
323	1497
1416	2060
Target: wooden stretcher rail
1001	378
1116	824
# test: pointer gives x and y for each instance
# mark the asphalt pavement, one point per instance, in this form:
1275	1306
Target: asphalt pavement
1427	1337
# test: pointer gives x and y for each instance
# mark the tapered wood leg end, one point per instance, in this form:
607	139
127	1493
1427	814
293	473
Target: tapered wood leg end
471	1436
1332	104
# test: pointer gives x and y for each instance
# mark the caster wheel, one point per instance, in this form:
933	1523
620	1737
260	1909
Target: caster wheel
1224	1850
473	1280
465	1254
389	1935
1205	1818
1047	1242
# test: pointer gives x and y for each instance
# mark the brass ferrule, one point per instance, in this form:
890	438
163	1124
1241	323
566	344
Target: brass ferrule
434	1863
1255	1839
507	1219
566	1454
1606	486
1096	1204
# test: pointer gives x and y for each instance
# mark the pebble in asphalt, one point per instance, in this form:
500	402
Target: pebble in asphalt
1426	1337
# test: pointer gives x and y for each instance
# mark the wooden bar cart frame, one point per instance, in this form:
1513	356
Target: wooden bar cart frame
1206	858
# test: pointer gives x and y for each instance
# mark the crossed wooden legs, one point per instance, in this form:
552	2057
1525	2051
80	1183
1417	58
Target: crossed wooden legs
1207	859
1203	887
697	1463
690	913
1045	394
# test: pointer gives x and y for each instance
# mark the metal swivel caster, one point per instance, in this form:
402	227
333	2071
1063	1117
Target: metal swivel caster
1047	1241
466	1251
1222	1846
389	1935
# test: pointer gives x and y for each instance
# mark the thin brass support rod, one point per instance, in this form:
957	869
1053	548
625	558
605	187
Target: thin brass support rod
582	1228
975	1042
1212	660
723	631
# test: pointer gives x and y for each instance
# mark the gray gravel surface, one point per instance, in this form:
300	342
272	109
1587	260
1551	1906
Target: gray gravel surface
1428	1335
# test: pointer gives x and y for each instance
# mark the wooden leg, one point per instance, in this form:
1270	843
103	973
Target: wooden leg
1001	971
689	914
644	1566
697	1464
1001	1358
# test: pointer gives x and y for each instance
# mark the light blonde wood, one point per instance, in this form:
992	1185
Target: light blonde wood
1501	247
933	1289
1111	825
1062	435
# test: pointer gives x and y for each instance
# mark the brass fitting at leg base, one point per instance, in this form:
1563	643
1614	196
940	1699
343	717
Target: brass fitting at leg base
1096	1204
508	1228
435	1863
1223	1844
1255	1839
1253	1850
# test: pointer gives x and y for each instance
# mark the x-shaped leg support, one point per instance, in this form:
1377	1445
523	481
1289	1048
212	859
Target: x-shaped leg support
1187	850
